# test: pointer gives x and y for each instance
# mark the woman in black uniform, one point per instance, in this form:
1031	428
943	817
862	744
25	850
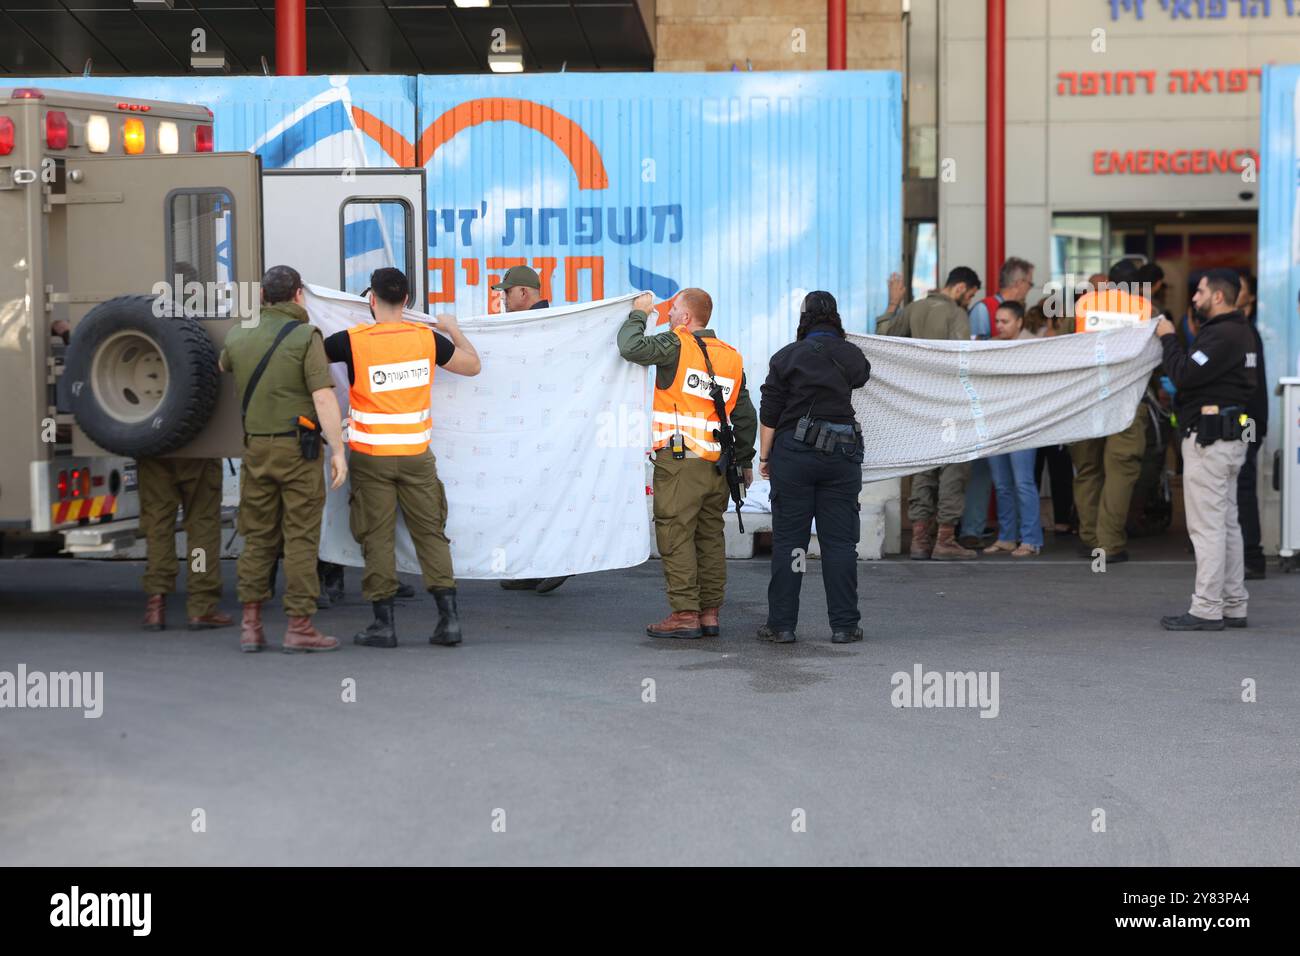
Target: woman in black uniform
811	451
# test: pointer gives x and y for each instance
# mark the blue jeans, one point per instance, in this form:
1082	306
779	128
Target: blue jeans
1016	483
976	515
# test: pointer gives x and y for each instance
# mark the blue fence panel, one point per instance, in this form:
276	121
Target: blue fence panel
756	187
1279	222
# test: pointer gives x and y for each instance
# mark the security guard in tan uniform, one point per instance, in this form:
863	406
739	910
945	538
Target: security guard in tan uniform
391	364
690	496
194	486
1215	384
283	380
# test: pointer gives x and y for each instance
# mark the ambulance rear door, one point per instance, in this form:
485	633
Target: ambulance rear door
336	226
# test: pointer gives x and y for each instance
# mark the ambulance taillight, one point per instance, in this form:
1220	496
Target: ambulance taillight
203	139
56	129
6	136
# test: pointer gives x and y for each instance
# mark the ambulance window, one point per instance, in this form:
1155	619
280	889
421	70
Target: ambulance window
200	248
376	233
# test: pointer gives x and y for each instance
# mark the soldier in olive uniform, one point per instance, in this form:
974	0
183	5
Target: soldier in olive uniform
194	486
690	496
281	490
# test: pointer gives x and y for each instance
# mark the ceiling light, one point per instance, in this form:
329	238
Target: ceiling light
506	62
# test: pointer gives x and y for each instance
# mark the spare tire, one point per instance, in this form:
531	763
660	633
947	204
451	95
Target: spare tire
140	384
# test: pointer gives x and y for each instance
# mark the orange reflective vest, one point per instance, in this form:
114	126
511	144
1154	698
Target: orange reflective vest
392	370
1110	309
686	404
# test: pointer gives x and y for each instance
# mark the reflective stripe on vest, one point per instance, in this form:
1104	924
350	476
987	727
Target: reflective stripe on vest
686	404
392	368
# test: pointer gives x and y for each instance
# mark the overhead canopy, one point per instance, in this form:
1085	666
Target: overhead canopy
50	37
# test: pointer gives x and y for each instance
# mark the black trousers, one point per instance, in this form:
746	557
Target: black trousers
808	484
1248	507
1060	473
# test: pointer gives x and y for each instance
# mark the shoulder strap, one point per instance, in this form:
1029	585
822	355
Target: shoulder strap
818	348
707	364
256	377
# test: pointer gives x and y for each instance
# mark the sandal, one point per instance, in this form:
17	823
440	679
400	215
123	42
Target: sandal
1025	551
1001	547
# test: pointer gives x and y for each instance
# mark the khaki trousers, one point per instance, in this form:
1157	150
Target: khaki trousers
690	500
1105	471
1210	498
281	496
939	490
380	485
194	486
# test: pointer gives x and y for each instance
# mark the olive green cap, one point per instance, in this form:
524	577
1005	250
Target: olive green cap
519	275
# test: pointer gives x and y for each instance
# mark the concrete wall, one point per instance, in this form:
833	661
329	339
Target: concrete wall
702	35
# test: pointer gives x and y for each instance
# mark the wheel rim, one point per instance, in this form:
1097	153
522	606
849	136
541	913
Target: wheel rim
129	376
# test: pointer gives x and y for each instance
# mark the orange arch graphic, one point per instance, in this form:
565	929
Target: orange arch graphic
559	129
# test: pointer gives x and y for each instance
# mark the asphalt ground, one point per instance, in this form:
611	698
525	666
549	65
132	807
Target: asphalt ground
535	742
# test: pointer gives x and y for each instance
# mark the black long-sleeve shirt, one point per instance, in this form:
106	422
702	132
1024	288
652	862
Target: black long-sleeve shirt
1257	407
1221	369
800	378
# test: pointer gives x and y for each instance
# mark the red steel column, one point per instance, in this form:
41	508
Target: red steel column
291	37
995	136
837	32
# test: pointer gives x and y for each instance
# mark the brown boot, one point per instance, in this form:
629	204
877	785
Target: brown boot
946	548
155	613
302	637
709	621
922	540
251	636
677	624
214	618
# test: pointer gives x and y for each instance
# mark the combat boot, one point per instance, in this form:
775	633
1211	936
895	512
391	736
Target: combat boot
251	636
946	547
448	631
381	632
155	613
709	622
678	624
334	582
213	619
301	637
922	541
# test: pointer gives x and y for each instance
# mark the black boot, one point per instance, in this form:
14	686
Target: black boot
331	579
381	631
404	591
448	630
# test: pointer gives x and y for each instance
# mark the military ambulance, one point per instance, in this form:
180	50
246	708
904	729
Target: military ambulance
129	249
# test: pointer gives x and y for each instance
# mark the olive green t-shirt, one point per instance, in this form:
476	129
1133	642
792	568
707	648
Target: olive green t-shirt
297	369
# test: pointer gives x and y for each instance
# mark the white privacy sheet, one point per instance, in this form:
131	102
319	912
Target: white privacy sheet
542	454
933	402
